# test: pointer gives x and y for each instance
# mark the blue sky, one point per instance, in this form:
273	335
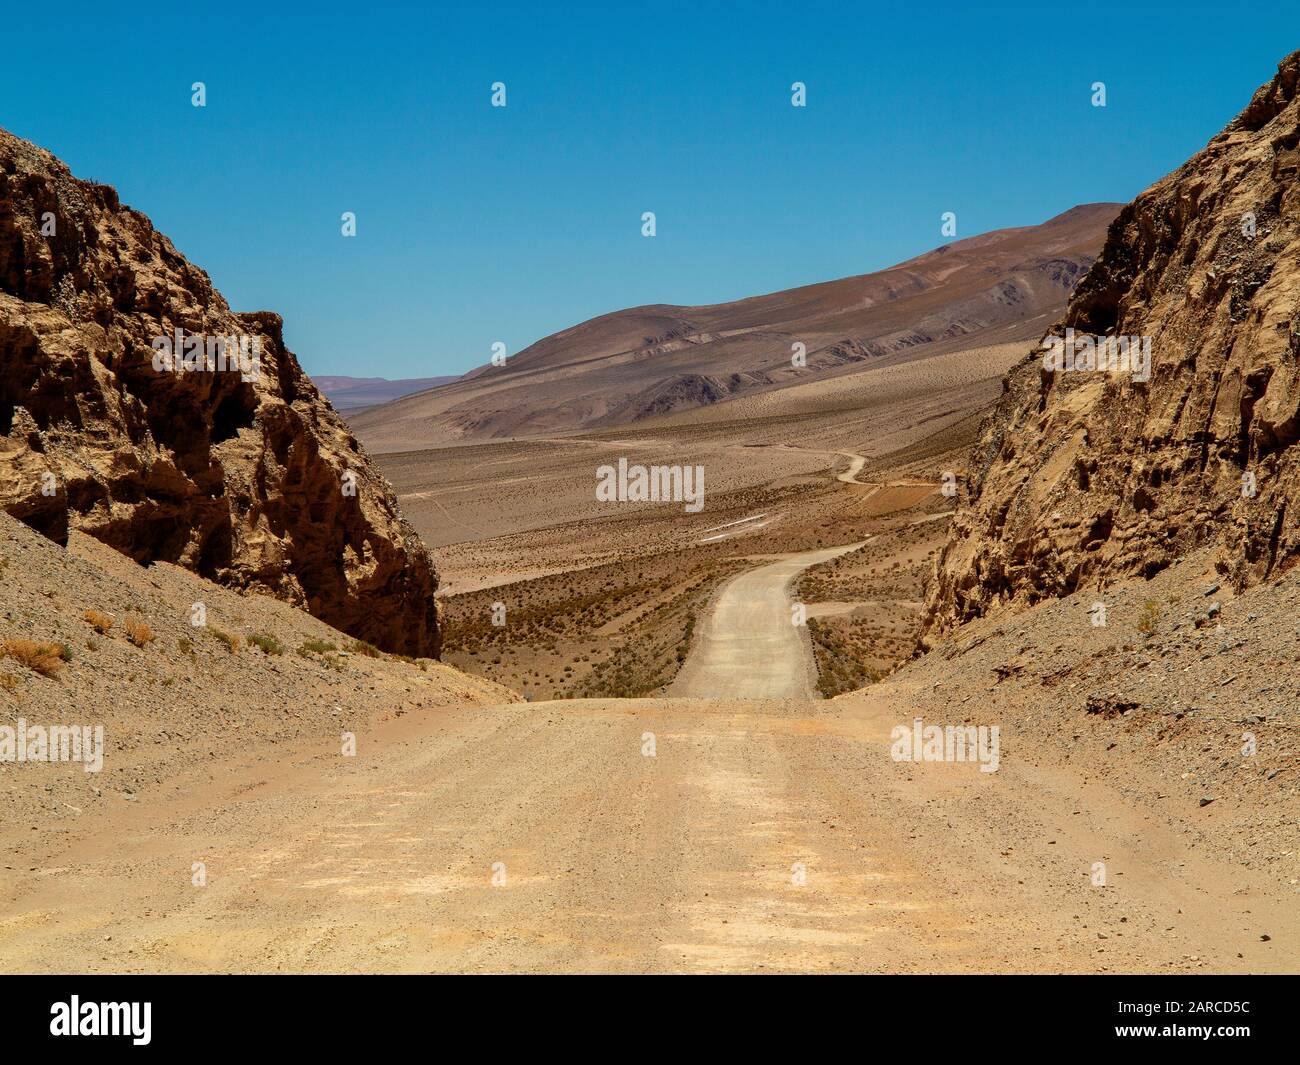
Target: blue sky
477	224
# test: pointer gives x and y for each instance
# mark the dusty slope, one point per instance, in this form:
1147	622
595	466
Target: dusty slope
184	700
649	362
244	481
1083	478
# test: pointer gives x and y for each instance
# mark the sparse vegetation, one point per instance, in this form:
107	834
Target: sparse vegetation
1149	618
232	642
315	647
43	658
98	621
360	647
840	658
8	682
267	643
138	631
185	645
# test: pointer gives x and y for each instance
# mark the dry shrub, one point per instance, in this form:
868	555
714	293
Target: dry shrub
101	623
232	642
44	658
138	632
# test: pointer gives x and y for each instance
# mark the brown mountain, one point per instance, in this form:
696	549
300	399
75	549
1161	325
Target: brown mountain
1084	478
648	361
238	476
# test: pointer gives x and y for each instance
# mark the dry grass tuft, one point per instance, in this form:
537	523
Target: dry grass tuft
101	623
232	642
43	658
138	632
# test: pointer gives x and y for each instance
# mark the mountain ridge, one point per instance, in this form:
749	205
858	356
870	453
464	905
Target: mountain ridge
657	359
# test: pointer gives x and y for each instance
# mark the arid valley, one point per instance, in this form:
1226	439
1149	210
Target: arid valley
935	659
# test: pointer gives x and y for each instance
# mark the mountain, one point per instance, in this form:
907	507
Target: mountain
1085	478
650	361
351	394
245	476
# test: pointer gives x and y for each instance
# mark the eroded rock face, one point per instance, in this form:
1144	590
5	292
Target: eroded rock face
1082	478
240	477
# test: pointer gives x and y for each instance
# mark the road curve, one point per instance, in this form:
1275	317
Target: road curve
747	646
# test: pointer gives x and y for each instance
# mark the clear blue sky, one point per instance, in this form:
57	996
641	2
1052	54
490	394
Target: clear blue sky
478	224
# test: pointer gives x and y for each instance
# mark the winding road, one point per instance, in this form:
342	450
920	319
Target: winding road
748	646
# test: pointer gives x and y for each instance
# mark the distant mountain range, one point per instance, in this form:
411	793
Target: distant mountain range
351	394
645	362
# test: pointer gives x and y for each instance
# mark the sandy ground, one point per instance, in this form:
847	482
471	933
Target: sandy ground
752	836
749	646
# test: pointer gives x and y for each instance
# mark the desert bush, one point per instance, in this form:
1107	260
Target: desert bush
1149	618
43	658
138	632
231	642
185	645
8	682
269	644
316	647
360	647
100	622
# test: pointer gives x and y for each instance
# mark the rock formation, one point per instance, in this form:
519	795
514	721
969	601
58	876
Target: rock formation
1083	478
247	478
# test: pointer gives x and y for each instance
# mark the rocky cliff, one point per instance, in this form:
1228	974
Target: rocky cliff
1088	476
237	469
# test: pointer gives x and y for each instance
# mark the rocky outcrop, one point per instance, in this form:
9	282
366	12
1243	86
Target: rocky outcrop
243	474
1086	477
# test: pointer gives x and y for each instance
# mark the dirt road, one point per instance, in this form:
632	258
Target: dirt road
630	836
747	645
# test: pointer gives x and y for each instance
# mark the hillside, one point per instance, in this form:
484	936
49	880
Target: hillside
171	696
1082	479
647	362
243	474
